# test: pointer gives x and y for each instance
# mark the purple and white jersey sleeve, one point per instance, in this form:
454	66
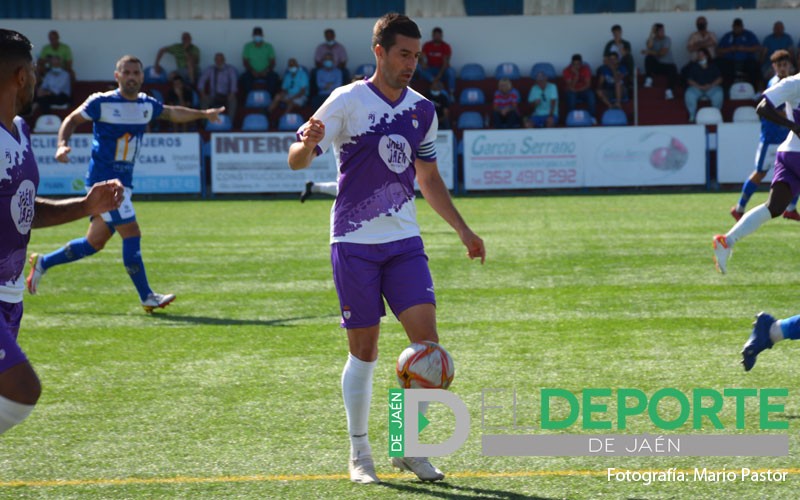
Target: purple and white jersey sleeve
376	142
787	93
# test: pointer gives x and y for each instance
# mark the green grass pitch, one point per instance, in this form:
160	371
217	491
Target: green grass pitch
233	391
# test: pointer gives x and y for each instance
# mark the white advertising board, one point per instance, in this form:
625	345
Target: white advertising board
736	152
167	163
255	162
584	157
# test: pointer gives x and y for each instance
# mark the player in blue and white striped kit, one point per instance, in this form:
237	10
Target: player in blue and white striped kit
772	135
120	118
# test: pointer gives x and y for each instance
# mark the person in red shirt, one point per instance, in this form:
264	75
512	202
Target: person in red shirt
578	81
435	61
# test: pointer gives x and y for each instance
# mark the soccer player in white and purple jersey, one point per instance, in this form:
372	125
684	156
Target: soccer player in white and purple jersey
21	210
382	134
785	182
120	118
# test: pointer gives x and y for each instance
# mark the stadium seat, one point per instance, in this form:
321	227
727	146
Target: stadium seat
47	124
745	114
470	119
365	70
472	72
150	75
224	124
708	116
290	122
507	70
472	96
545	68
255	122
579	118
614	117
258	99
741	91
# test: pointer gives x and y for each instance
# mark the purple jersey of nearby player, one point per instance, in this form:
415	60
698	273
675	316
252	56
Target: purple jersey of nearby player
19	180
376	143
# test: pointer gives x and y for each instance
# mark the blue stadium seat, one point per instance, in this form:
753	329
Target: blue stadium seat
255	122
472	72
150	75
259	9
471	96
494	8
365	70
27	9
258	99
579	118
224	124
138	9
604	6
290	122
507	70
614	117
545	68
470	119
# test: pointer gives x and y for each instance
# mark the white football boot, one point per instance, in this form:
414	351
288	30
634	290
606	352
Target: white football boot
157	300
419	466
362	470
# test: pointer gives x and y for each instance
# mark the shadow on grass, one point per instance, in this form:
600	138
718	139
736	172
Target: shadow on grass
446	490
206	320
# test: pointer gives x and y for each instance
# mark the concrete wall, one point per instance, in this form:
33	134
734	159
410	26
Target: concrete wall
524	40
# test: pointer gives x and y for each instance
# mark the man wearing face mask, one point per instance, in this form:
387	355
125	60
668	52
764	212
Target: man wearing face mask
55	89
337	52
294	90
258	59
702	39
328	77
703	79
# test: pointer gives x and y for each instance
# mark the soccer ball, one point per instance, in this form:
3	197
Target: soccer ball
426	365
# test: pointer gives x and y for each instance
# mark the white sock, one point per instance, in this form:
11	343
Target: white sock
12	413
775	332
329	188
357	394
750	221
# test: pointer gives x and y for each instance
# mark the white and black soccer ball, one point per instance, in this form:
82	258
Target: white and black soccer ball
425	365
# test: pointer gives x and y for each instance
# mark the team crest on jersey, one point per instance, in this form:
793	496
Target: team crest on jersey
414	121
371	117
395	152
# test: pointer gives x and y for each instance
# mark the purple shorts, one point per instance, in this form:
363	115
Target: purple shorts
787	169
365	274
10	353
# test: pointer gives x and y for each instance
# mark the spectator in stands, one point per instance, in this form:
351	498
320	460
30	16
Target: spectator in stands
701	39
294	90
441	101
658	60
435	61
543	98
187	58
218	86
611	88
578	82
336	50
505	106
777	40
55	89
738	55
179	94
55	48
617	45
328	77
703	79
258	59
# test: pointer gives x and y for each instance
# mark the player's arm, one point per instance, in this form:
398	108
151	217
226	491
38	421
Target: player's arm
438	197
181	114
766	110
65	132
102	197
303	152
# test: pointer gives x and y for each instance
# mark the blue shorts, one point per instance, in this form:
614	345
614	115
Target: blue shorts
10	353
765	156
365	274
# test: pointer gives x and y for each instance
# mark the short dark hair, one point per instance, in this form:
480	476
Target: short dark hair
437	30
738	22
705	51
127	59
258	30
616	27
658	26
15	49
577	57
389	26
780	55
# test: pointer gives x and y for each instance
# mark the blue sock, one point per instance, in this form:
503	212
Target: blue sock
791	327
793	204
748	189
72	251
132	258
